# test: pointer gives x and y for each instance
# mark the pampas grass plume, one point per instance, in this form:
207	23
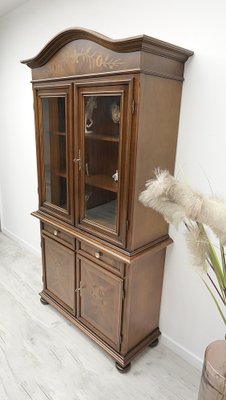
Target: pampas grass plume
198	249
177	203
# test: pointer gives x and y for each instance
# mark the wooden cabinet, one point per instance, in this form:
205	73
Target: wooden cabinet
106	115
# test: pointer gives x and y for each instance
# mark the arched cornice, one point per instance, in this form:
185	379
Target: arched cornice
132	44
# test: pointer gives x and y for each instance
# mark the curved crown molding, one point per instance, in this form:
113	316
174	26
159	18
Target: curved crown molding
136	43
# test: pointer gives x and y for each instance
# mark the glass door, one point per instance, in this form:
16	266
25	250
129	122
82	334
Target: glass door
103	146
55	142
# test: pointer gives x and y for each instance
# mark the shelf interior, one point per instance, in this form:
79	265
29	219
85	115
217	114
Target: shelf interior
102	181
59	133
63	174
106	138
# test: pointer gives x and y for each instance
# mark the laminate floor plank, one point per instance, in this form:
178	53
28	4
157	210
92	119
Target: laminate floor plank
44	357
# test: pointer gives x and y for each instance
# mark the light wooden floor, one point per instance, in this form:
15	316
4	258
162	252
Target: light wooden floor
43	356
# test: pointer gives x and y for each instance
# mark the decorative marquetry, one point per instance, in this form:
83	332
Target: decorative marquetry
100	300
59	279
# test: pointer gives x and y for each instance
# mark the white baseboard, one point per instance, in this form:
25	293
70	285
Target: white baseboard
182	352
25	244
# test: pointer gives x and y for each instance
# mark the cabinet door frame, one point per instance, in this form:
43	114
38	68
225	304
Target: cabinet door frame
81	292
123	87
48	91
46	239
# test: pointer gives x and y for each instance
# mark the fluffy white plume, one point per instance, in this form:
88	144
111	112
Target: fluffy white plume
213	214
165	195
178	202
198	248
156	196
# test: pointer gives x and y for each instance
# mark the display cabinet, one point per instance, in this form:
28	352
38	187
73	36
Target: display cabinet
106	115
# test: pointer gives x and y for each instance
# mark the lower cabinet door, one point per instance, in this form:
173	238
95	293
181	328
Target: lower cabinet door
100	301
59	273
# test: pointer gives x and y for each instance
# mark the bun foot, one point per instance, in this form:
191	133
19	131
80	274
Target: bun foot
154	344
122	369
43	301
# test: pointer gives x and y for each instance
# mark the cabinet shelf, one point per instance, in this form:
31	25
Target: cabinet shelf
58	133
106	138
103	182
63	174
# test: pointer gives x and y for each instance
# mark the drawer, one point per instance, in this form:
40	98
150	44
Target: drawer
102	258
59	235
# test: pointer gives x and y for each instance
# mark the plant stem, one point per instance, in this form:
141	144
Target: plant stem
214	260
223	259
211	280
215	301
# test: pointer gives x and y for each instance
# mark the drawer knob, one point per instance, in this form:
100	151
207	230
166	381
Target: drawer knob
55	232
97	254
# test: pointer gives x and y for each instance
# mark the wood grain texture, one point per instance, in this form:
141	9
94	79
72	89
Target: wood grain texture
132	44
82	57
59	267
78	52
118	306
156	139
100	301
36	362
111	250
115	265
58	235
143	296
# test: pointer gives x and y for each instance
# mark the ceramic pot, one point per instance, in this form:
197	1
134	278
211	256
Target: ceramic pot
213	380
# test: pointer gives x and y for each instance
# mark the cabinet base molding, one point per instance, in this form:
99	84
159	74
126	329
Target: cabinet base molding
123	362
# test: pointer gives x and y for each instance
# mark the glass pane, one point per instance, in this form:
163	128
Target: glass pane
54	143
102	175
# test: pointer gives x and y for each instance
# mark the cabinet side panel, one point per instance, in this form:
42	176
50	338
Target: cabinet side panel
145	288
156	147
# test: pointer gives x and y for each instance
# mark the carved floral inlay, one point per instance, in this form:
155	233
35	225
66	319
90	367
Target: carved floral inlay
96	60
97	294
81	60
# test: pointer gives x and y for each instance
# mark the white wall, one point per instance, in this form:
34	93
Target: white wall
189	320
